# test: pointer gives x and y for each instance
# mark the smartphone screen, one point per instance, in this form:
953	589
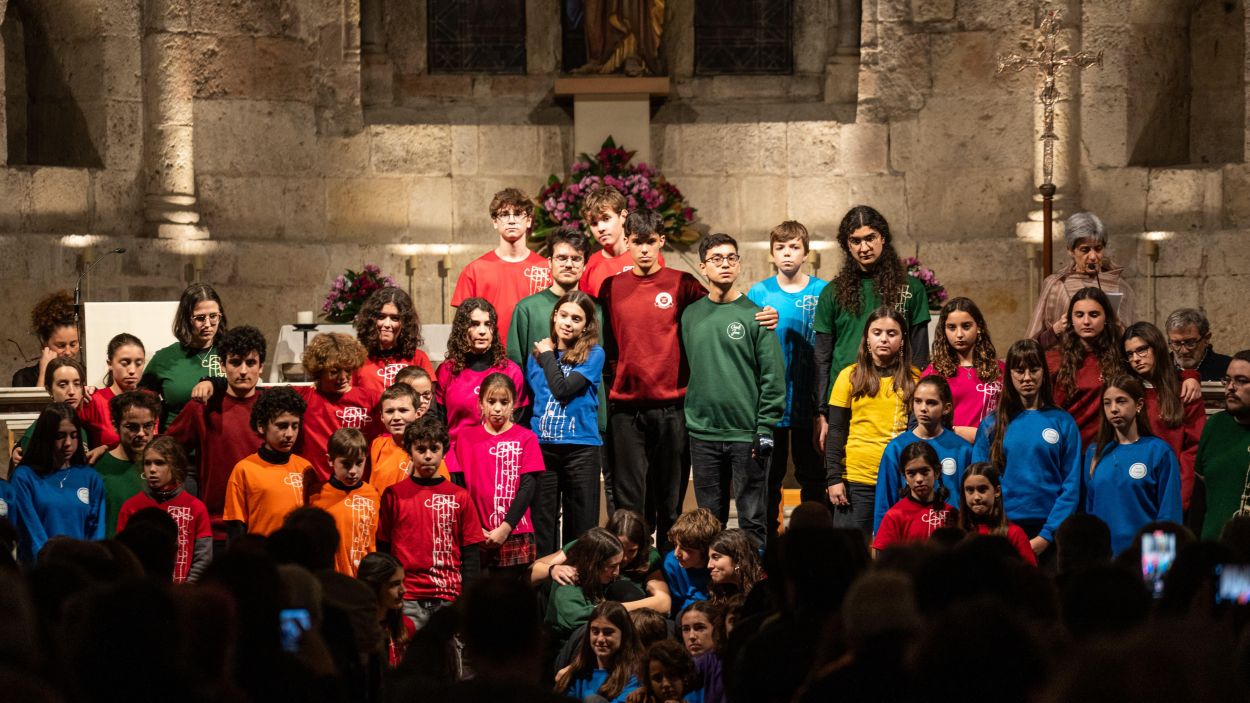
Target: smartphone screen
294	622
1158	551
1232	584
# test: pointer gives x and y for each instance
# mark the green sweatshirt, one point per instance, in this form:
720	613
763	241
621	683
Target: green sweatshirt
173	372
737	386
122	481
1222	464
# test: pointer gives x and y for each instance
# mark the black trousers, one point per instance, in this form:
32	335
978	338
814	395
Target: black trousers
651	463
569	485
809	471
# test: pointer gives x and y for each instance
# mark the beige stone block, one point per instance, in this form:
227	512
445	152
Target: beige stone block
932	10
1236	192
971	203
303	209
965	133
118	200
60	199
344	156
123	140
555	149
772	148
888	194
995	14
1175	200
1180	254
121	19
1117	195
702	149
507	149
366	208
282	69
216	67
717	203
1224	299
1104	129
241	207
122	77
1227	253
237	137
765	204
864	148
16	200
740	142
464	149
419	149
303	267
471	206
666	146
430	210
812	148
819	202
226	17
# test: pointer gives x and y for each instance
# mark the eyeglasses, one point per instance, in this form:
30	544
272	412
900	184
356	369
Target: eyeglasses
568	259
201	319
1235	381
717	260
505	216
1186	344
1138	353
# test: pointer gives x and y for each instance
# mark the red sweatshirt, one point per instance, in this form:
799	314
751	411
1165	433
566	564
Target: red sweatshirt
1183	439
219	433
1084	402
328	412
642	335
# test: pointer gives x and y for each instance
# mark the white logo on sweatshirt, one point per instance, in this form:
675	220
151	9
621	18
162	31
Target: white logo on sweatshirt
1137	471
1051	435
664	301
736	330
948	466
84	495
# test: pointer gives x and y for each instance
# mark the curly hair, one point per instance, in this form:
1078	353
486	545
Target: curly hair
195	294
589	337
333	350
51	313
428	430
172	451
603	199
569	236
409	336
458	345
511	199
695	529
1163	376
984	356
272	403
889	278
139	398
737	545
1106	346
240	342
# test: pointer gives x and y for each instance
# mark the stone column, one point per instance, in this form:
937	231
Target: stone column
170	209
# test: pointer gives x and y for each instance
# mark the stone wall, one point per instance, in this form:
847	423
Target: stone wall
316	151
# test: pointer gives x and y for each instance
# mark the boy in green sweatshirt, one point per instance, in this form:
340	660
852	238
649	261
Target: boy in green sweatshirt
736	394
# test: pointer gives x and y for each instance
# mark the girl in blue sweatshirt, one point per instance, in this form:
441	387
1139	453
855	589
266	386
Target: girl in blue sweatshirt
1035	446
1133	477
605	666
55	492
933	408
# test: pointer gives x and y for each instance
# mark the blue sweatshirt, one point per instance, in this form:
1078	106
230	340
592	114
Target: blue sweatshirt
68	502
954	451
685	585
1133	484
1042	476
586	686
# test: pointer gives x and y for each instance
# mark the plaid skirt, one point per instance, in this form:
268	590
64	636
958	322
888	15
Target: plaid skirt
516	550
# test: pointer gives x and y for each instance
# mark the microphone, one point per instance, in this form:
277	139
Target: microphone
78	283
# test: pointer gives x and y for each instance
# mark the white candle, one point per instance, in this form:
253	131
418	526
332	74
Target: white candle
304	317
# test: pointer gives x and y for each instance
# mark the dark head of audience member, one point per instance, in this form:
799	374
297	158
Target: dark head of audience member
1103	600
153	537
321	534
1082	541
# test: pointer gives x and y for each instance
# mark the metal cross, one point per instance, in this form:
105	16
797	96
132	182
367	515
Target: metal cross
1048	59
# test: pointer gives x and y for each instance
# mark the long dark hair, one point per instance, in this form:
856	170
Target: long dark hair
590	334
195	294
125	339
984	357
889	278
409	336
864	378
375	570
624	663
588	555
40	454
996	520
1163	377
458	346
1024	354
629	524
923	450
944	394
1106	431
735	544
1106	346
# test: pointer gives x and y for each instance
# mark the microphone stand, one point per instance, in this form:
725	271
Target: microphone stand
78	296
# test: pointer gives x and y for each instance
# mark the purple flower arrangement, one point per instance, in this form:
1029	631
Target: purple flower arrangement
560	202
350	290
932	286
